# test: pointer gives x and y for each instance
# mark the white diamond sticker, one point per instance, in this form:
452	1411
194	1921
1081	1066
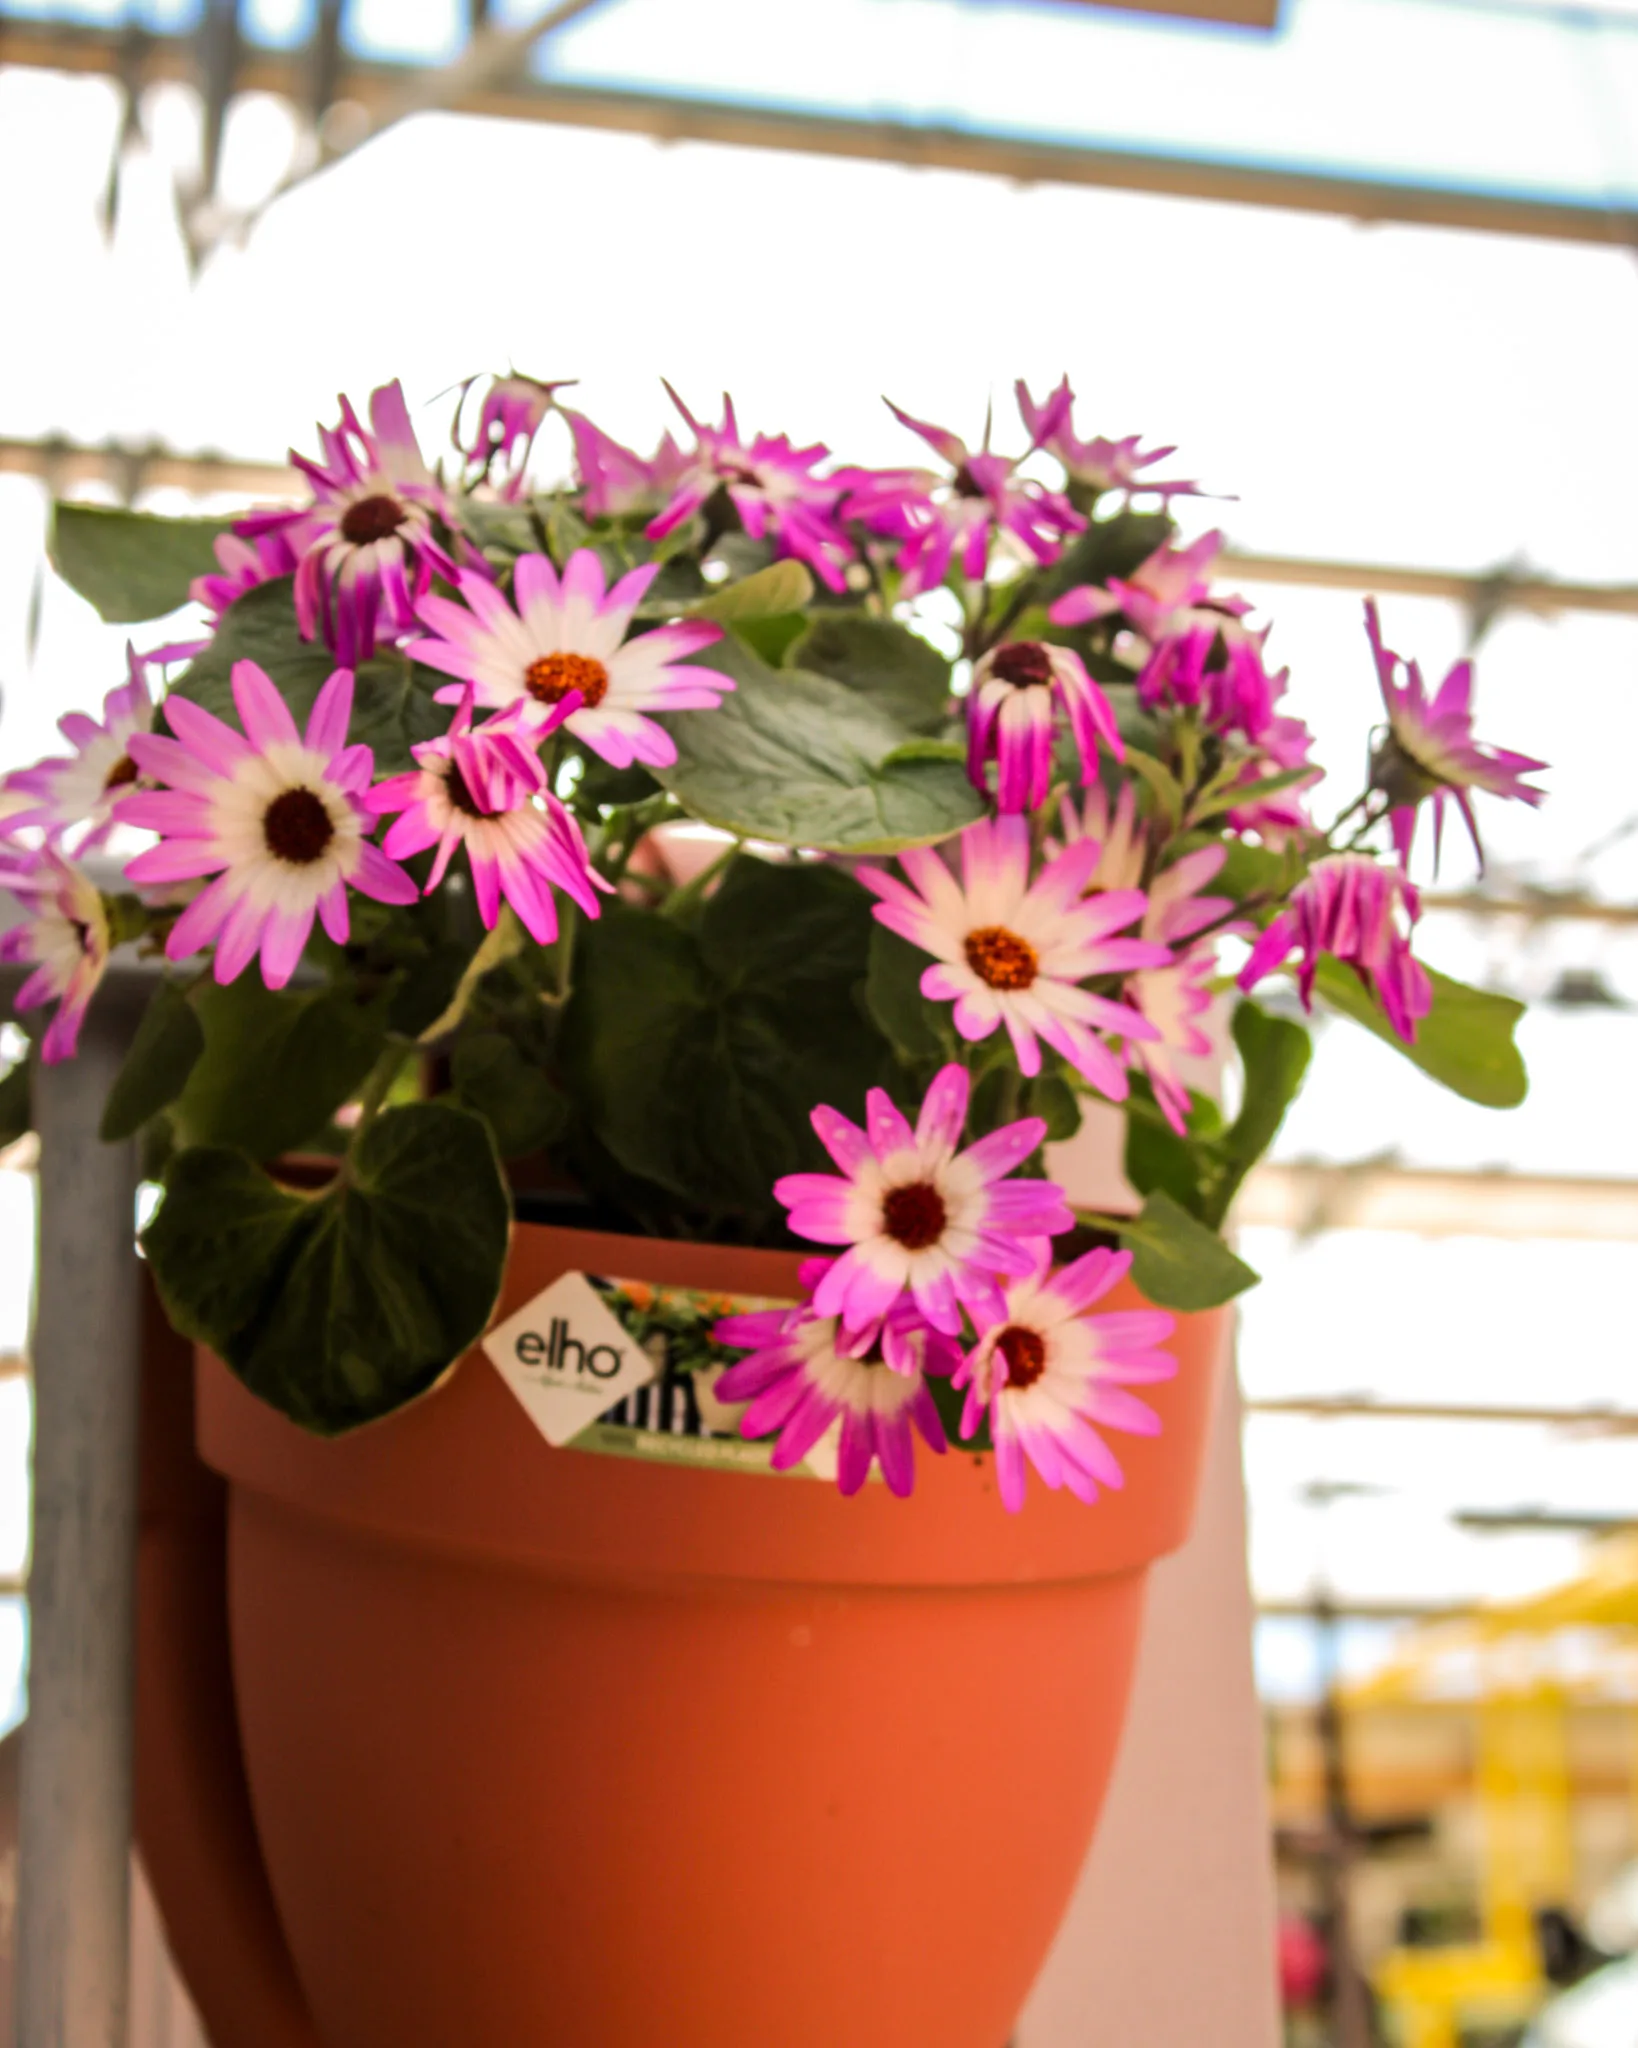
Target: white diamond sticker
567	1359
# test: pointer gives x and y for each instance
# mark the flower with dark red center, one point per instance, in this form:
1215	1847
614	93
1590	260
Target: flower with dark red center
273	813
364	550
65	938
1011	719
1009	951
917	1216
807	1383
484	787
81	789
1049	1376
772	486
956	518
567	639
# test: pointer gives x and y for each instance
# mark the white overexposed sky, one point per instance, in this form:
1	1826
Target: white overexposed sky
1386	394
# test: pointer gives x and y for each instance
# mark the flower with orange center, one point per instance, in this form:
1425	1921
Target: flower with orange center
567	636
1015	952
917	1216
1049	1376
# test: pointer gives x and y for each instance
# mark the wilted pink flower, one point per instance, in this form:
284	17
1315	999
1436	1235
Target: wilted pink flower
916	1215
274	814
510	415
568	634
243	564
938	520
366	544
802	1379
1360	913
1429	750
1010	720
1099	464
1050	1375
1012	952
772	486
485	788
83	787
614	480
1159	594
65	935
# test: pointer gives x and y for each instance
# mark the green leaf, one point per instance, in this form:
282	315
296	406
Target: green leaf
276	1065
781	587
339	1308
1228	795
601	783
1465	1042
163	1053
522	1107
393	706
16	1101
894	999
1158	1158
697	1049
1275	1053
1050	1097
951	1403
1168	791
804	760
883	661
1177	1262
130	565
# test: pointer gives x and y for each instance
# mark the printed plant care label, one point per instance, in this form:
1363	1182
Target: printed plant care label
627	1369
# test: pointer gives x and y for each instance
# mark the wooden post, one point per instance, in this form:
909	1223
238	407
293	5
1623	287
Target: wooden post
75	1847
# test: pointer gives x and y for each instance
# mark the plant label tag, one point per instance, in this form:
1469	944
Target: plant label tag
567	1359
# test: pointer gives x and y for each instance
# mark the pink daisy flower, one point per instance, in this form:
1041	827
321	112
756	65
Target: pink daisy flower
1010	720
1430	751
366	545
82	788
274	814
569	635
1171	582
243	564
510	415
485	788
801	1382
954	519
1051	1376
65	936
916	1215
614	480
1349	906
1012	952
1099	464
772	486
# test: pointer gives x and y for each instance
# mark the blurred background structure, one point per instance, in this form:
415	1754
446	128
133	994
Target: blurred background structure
1373	266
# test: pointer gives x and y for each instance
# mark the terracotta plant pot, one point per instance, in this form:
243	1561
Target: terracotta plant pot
549	1748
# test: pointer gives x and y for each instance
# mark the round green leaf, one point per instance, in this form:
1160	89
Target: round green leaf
338	1308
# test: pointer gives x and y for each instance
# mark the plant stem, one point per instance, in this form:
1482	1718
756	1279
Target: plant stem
379	1085
687	894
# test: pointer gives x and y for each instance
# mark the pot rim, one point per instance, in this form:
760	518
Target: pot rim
463	1473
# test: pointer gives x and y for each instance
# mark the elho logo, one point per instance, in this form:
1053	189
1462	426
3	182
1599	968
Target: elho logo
551	1353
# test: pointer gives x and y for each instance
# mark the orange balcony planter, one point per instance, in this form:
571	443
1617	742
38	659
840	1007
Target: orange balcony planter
528	1746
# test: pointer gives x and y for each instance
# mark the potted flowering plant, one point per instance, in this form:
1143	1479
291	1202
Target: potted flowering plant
640	878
